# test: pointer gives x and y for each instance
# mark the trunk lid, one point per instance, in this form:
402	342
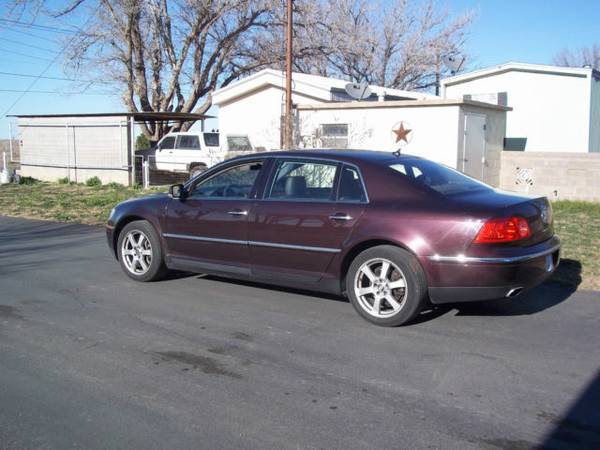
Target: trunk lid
487	204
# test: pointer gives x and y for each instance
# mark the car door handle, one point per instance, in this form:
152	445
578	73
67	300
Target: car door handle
238	212
340	216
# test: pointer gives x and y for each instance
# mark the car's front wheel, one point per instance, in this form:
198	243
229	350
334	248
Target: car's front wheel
140	253
386	285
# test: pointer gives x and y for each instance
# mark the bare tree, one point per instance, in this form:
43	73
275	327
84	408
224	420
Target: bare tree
397	44
586	56
170	55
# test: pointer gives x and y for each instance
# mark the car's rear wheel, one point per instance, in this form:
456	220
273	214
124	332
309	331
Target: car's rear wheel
140	253
386	285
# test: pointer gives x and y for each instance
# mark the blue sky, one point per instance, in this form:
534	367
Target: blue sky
503	30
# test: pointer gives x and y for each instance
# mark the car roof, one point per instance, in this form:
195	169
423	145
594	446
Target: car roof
347	155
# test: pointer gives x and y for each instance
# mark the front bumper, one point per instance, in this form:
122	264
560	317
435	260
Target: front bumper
475	278
110	240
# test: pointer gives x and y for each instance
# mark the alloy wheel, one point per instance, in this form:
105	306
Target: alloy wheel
136	252
380	287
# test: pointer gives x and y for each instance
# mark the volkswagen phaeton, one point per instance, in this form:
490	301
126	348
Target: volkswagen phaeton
391	232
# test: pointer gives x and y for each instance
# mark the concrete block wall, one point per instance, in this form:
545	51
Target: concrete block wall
559	176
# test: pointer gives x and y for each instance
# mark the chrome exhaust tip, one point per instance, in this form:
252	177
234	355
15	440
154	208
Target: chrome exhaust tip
514	292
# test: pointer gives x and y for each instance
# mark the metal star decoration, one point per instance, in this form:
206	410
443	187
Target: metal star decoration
401	133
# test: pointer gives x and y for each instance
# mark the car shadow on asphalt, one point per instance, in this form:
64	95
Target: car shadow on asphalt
549	294
579	427
272	287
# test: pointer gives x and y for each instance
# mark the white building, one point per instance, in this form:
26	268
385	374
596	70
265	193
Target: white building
554	109
464	134
254	105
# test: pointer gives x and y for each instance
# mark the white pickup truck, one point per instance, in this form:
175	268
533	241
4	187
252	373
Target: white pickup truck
195	152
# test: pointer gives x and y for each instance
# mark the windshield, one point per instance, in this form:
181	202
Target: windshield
438	177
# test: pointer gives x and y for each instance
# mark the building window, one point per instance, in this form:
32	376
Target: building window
334	135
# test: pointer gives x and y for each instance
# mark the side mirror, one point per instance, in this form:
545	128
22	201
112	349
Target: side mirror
177	191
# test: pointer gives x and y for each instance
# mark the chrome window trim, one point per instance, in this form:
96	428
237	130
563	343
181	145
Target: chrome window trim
268	190
330	160
254	243
461	259
193	183
362	184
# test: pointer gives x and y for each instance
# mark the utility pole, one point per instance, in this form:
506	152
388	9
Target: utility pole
288	123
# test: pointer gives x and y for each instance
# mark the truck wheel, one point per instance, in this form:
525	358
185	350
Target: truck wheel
197	170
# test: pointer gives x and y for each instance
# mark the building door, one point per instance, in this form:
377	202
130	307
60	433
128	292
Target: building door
473	161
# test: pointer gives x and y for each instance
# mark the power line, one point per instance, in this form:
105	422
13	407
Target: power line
57	92
35	26
28	56
27	45
33	82
26	33
26	75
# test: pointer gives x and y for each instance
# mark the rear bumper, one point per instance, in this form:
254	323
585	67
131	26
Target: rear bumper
466	279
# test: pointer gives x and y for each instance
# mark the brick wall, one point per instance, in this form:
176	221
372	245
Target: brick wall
559	176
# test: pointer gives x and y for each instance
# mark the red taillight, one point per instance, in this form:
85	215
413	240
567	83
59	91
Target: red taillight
503	230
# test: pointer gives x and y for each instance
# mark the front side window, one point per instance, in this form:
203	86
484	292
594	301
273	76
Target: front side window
297	180
211	139
235	182
167	143
351	188
189	142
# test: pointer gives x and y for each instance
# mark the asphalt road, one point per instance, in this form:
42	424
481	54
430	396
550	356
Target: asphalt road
91	359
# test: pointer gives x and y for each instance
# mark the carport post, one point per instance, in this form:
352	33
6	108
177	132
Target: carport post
132	150
146	173
10	141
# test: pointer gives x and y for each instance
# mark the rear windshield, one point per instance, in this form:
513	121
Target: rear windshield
438	177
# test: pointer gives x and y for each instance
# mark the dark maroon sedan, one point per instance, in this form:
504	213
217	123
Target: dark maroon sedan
389	231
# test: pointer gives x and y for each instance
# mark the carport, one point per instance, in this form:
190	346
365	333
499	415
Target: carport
81	146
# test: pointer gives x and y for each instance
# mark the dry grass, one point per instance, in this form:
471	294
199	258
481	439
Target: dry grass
577	223
63	202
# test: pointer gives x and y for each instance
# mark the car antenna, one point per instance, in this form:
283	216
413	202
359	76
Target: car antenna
397	153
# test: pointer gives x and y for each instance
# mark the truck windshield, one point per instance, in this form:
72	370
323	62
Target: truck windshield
438	177
211	139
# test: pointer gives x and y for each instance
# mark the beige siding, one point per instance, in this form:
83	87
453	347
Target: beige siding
75	147
559	176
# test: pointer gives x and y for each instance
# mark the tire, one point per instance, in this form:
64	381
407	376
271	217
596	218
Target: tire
405	286
143	262
196	170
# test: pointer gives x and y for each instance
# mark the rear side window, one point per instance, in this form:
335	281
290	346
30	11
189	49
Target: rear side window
351	188
299	180
168	142
189	142
238	143
437	176
211	139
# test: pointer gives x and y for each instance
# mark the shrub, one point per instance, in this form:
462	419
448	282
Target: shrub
28	180
64	180
142	142
114	185
94	181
